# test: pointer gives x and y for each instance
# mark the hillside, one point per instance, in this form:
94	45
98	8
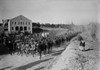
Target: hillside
73	58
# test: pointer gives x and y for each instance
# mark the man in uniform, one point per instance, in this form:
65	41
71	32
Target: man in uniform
82	44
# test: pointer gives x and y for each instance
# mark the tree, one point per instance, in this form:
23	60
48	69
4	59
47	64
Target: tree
34	24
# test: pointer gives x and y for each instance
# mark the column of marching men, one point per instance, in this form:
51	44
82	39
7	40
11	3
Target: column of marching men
35	43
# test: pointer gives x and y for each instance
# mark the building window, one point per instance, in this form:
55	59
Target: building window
25	28
21	23
6	29
15	23
16	28
21	28
12	22
12	28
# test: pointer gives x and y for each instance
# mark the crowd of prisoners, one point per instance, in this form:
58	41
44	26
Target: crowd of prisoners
32	44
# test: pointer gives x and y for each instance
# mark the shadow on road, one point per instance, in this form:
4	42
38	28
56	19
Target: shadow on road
57	52
3	50
39	68
6	68
30	65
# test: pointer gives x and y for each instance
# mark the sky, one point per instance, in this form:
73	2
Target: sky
51	11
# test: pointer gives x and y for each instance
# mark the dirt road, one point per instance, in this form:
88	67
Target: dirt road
75	59
17	62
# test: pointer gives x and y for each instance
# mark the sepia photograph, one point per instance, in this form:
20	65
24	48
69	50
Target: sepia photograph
49	34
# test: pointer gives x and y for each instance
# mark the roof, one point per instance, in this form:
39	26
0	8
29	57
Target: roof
20	17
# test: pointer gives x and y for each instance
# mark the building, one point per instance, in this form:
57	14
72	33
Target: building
20	23
5	24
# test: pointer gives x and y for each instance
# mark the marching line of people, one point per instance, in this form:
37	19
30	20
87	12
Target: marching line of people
34	43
